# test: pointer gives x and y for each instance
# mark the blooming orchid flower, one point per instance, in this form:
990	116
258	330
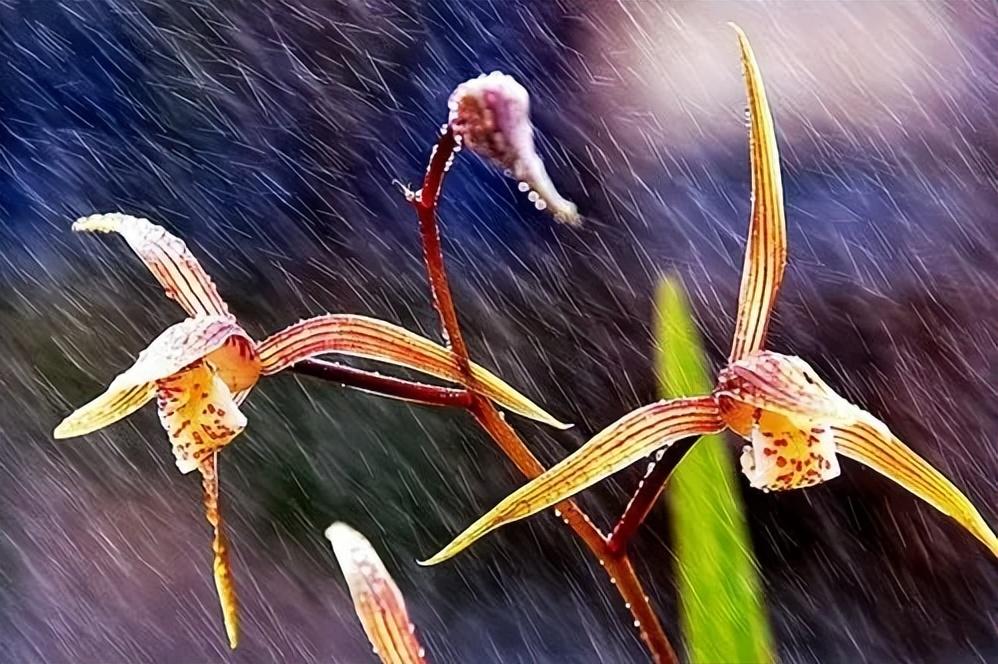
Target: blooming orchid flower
376	598
491	116
200	370
795	424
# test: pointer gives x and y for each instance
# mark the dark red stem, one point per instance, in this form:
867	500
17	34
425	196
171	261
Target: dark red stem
617	565
647	494
386	386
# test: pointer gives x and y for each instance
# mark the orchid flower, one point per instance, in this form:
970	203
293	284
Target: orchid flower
201	369
491	116
795	424
376	598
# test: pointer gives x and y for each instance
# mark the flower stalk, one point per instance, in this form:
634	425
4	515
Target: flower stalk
615	561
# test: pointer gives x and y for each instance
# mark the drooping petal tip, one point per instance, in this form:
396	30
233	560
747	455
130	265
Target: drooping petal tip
167	258
870	442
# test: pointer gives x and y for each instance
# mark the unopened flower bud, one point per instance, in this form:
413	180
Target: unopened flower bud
491	116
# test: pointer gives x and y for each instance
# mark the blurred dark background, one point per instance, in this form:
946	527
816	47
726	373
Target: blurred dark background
269	135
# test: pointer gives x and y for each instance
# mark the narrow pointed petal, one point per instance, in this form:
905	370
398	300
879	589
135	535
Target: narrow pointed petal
627	440
780	383
224	582
376	598
178	346
167	257
373	339
871	443
199	414
115	404
766	252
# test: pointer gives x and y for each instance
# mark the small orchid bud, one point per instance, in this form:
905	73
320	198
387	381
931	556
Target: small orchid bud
491	115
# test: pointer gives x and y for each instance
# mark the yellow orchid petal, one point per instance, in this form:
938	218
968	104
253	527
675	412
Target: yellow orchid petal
178	346
778	383
108	408
376	598
766	252
871	443
224	583
199	414
373	339
627	440
167	257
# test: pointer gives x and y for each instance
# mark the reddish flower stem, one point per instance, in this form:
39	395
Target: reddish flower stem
617	564
647	494
387	386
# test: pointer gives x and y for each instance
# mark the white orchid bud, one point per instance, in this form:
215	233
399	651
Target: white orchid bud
491	115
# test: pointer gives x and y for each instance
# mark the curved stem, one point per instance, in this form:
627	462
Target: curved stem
616	563
647	494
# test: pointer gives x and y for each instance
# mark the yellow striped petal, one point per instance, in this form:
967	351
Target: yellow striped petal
167	257
377	599
178	346
373	339
766	252
224	582
871	443
627	440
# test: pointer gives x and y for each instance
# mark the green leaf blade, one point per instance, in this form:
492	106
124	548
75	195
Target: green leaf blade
722	608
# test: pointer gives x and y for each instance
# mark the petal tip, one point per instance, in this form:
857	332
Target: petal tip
98	223
561	426
434	560
67	429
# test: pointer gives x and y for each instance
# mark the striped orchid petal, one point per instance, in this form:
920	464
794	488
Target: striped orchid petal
167	257
871	443
224	584
779	383
377	599
370	338
177	347
624	442
766	252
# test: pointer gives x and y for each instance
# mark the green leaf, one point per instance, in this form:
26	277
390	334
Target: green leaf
721	604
